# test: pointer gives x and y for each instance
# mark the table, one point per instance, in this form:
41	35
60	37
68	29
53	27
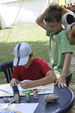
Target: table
63	105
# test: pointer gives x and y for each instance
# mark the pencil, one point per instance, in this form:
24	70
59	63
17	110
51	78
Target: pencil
5	91
11	102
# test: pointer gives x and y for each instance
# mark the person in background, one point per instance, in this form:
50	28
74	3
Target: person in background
59	45
26	67
68	20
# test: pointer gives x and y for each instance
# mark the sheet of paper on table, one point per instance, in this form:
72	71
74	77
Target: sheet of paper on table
18	108
45	89
6	89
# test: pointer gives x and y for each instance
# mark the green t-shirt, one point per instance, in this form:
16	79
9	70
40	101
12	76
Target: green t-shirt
58	45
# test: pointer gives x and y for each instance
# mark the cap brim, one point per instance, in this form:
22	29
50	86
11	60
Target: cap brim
22	61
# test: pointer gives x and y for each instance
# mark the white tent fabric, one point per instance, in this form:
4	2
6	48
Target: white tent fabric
10	13
8	16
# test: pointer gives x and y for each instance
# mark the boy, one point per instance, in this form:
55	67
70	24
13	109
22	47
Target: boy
60	48
29	68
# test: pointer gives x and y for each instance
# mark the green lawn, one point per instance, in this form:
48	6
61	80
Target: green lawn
33	35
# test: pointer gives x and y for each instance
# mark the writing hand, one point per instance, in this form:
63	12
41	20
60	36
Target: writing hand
14	82
27	84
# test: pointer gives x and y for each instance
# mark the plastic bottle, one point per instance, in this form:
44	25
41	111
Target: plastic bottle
16	94
27	95
35	93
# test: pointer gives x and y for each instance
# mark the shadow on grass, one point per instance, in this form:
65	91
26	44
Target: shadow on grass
39	48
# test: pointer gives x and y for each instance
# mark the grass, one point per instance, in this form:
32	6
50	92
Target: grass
33	35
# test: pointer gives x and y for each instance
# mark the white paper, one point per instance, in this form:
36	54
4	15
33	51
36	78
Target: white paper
6	89
22	107
44	89
20	88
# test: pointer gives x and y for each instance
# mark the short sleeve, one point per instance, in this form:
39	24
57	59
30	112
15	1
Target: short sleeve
44	67
15	73
65	44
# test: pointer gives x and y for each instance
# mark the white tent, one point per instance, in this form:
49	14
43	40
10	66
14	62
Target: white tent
20	13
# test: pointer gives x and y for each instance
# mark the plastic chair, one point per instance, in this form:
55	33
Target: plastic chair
7	68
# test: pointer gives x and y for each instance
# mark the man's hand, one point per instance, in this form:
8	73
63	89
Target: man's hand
14	82
61	82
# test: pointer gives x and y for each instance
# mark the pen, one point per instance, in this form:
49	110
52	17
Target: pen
11	102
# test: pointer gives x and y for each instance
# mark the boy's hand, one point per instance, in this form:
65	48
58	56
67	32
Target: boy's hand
61	82
14	82
28	84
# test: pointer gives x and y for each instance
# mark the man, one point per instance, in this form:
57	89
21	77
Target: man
26	67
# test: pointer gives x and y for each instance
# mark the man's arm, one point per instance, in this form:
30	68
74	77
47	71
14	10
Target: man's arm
49	78
62	80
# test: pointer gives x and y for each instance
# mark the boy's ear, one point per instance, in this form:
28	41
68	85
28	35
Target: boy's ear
32	54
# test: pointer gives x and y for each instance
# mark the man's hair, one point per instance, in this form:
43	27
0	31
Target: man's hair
53	14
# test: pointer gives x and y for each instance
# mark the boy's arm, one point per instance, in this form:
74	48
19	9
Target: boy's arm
62	80
15	77
40	20
49	78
